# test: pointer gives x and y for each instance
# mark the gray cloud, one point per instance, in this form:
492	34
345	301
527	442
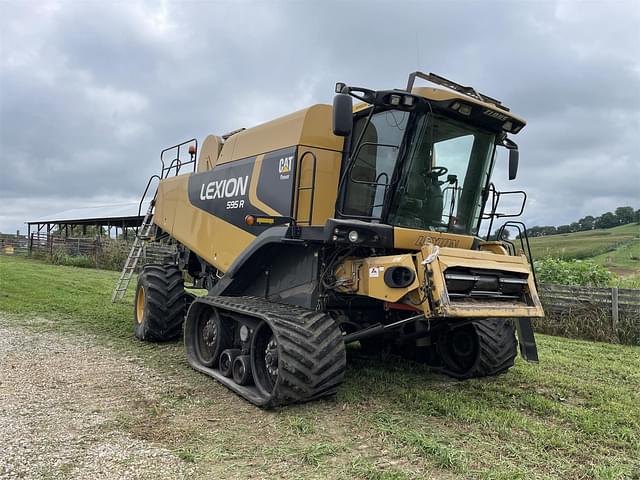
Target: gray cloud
91	91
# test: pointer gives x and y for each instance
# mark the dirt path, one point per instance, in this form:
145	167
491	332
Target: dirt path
72	406
57	395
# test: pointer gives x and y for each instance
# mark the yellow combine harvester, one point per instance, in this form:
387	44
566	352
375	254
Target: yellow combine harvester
339	224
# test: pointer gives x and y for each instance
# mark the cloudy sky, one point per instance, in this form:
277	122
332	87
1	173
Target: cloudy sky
91	91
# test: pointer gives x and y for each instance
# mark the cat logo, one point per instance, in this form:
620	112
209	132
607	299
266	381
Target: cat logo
284	167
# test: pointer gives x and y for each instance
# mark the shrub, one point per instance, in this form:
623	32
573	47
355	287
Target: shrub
572	272
113	255
60	257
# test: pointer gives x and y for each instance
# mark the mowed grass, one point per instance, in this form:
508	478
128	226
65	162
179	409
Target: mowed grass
617	247
576	415
625	258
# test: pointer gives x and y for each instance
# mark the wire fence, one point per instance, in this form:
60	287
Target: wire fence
98	252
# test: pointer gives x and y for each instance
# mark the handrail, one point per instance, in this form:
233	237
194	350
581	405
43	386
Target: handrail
524	242
145	194
312	187
495	201
176	162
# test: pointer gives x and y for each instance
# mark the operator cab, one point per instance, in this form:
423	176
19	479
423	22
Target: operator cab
420	158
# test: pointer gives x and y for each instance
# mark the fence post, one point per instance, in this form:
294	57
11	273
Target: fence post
96	249
614	310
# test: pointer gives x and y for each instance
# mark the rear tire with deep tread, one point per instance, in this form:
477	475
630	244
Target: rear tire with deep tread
161	312
494	350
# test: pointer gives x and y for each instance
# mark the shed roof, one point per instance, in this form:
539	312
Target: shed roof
115	214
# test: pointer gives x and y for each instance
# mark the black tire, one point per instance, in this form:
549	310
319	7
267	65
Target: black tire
478	349
159	306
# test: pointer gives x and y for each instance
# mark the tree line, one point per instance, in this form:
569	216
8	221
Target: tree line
621	216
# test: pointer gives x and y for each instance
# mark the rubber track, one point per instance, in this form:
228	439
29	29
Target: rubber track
312	356
165	303
498	349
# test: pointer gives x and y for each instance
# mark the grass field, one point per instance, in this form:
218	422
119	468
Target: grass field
576	415
616	248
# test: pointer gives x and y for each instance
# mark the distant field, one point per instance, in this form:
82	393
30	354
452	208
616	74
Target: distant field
617	248
575	415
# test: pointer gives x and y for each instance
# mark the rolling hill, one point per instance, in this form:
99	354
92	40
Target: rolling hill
616	248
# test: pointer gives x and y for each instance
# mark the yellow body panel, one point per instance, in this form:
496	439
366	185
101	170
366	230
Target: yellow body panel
355	277
366	276
411	239
215	240
449	257
311	127
493	247
209	153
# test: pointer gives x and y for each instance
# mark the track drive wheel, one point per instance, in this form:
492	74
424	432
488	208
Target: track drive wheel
478	349
159	305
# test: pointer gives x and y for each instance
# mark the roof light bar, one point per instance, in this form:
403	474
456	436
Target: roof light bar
468	91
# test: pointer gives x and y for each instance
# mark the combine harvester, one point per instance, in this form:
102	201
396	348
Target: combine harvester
339	224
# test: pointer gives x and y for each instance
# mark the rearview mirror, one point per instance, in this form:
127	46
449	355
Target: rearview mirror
514	156
342	115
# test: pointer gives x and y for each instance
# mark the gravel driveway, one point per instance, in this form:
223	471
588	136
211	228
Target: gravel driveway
59	399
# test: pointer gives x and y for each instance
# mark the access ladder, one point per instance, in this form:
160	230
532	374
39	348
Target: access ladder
137	251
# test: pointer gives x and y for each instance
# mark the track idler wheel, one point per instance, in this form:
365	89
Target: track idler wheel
208	335
226	361
242	370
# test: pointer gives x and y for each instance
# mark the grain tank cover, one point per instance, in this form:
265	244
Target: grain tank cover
310	127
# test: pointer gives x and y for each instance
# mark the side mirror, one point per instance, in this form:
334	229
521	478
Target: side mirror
342	115
514	156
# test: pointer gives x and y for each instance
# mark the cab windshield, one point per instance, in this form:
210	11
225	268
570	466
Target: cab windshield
425	172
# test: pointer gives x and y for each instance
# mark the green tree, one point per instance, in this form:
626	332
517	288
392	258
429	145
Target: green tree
606	220
625	215
587	223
